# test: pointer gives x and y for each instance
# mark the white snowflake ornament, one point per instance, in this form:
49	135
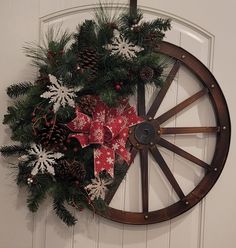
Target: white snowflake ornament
58	94
122	46
97	189
44	160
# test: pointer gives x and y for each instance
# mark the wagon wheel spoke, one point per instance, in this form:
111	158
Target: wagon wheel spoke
119	180
164	167
160	96
188	130
145	135
141	100
144	178
182	153
167	115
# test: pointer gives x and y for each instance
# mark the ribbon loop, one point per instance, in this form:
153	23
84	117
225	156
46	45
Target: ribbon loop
113	128
96	134
108	127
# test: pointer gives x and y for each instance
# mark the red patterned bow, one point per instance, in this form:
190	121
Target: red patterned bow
107	127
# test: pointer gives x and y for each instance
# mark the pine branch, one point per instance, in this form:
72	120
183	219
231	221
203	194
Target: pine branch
25	169
55	37
38	190
103	14
34	200
37	53
127	19
16	90
17	112
61	193
54	45
161	24
64	115
11	150
100	205
22	133
63	213
86	36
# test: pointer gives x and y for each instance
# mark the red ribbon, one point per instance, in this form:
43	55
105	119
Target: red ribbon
108	127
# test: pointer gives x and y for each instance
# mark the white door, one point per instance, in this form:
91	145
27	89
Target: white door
205	29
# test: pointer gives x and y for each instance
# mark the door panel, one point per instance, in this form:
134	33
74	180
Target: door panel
196	228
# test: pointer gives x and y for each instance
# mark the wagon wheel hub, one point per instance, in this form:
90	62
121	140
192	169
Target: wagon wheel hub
145	134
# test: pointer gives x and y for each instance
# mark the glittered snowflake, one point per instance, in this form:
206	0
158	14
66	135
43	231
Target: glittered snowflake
98	188
58	94
44	160
122	46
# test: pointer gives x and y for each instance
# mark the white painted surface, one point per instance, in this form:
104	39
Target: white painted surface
197	28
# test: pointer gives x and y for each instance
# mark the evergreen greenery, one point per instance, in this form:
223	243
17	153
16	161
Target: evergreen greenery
86	66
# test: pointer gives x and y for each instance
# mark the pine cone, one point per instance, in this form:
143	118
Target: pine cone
88	60
87	104
70	170
152	39
146	73
53	136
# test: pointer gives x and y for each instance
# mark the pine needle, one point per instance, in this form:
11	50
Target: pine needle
17	90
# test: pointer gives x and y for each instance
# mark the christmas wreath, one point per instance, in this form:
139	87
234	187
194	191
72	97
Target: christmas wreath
71	125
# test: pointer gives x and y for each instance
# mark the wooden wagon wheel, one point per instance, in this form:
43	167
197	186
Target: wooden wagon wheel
150	135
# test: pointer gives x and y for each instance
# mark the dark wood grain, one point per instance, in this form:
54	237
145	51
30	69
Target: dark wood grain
133	6
167	115
166	170
166	85
219	105
144	178
141	100
188	130
182	153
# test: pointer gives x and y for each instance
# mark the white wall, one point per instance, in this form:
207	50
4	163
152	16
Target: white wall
206	29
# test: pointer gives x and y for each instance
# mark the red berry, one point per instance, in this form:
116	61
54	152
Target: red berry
118	87
75	149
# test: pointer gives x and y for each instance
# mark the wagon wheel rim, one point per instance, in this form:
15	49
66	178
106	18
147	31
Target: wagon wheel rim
141	145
